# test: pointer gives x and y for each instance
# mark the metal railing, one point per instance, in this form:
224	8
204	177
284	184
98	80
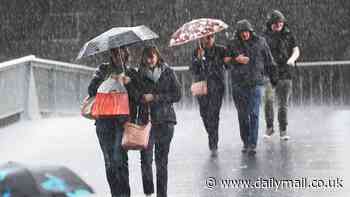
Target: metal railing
32	86
314	83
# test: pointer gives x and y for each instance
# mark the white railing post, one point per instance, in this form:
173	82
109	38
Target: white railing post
31	103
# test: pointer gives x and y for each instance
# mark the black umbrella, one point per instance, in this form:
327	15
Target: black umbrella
116	37
17	180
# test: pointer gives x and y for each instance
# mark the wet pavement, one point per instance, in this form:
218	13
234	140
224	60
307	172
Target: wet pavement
314	162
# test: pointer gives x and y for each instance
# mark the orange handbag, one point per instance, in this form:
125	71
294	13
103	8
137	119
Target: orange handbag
111	99
199	88
110	104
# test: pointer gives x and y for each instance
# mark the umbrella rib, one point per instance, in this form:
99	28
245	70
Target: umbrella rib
32	177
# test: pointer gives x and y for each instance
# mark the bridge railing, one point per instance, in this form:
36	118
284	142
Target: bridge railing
32	86
314	83
322	83
12	86
60	87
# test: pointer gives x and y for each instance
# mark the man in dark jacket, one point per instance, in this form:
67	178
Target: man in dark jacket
208	65
285	51
249	58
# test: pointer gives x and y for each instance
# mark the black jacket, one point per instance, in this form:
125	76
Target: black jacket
104	71
211	68
260	61
166	90
281	45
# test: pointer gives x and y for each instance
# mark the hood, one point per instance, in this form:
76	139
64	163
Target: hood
244	25
275	15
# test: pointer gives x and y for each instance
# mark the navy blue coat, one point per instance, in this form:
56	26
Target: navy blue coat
260	61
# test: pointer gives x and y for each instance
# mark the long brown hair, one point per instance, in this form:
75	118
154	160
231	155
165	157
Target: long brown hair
117	51
149	51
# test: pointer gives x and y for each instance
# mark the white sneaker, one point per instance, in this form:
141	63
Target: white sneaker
285	137
269	132
149	195
266	137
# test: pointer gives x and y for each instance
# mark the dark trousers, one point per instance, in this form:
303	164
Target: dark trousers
283	92
247	101
109	133
209	108
161	136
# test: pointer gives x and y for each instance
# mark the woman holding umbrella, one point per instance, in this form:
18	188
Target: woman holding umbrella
208	65
207	68
116	80
110	129
160	89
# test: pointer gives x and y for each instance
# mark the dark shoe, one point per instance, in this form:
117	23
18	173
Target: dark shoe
244	149
252	150
283	135
214	153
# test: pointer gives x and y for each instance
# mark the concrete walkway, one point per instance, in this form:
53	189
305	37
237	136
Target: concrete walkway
318	150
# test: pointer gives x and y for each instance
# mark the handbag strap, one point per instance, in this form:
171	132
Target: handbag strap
148	111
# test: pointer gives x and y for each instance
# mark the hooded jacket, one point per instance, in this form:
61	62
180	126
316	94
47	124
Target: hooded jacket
260	59
281	43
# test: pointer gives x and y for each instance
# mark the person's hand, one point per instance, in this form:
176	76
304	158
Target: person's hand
118	78
273	82
227	59
242	59
200	53
148	98
126	80
290	62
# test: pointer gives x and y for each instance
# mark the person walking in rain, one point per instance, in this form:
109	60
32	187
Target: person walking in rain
285	51
110	129
208	65
249	58
160	89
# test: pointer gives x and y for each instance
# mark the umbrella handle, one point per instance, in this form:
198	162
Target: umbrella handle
121	59
200	44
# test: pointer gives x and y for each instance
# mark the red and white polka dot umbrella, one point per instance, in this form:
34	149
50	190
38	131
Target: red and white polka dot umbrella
196	29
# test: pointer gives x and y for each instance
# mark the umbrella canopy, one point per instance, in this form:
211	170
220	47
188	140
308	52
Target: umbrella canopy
196	29
116	37
17	180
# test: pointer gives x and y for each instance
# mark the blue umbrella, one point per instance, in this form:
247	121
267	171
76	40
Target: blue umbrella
16	180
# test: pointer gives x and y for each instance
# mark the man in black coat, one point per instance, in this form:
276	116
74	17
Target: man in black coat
285	51
208	65
249	59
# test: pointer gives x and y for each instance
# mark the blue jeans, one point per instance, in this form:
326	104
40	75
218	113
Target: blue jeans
247	101
109	132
